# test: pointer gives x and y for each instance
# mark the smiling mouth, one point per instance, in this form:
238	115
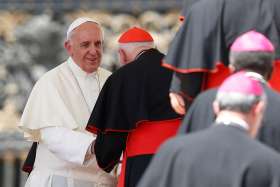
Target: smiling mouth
92	60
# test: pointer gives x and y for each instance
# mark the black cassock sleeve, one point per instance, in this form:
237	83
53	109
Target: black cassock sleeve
200	114
108	149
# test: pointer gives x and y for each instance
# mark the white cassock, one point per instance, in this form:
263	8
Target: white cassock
55	115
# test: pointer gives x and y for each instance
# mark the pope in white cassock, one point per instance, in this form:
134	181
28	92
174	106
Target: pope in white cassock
58	109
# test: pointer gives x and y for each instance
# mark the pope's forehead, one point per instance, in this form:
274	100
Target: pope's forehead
87	31
87	27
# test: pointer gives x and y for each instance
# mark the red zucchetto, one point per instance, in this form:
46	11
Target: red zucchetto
135	34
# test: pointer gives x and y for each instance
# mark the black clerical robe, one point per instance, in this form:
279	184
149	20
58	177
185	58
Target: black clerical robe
221	156
199	52
133	115
201	116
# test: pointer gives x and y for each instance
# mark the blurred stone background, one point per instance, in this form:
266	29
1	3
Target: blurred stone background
31	42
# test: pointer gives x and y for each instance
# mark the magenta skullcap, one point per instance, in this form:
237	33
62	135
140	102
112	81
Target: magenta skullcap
252	41
241	83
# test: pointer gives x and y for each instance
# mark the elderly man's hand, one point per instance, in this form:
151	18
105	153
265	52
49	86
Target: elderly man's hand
177	103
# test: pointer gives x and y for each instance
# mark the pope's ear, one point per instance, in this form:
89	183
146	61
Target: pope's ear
68	47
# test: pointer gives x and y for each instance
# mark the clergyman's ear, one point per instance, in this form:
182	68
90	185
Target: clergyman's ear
122	56
216	107
231	68
259	108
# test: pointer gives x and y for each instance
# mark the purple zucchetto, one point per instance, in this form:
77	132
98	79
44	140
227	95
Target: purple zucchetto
241	83
252	41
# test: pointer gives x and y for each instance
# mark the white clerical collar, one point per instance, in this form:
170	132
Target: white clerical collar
226	120
78	71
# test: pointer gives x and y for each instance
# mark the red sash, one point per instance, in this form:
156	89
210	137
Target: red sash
275	78
146	139
214	79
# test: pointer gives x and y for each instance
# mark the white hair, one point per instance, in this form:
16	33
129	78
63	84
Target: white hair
131	46
238	102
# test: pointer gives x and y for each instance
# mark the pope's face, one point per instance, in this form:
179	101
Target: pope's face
85	46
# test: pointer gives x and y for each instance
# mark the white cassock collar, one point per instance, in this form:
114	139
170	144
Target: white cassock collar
78	72
89	83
